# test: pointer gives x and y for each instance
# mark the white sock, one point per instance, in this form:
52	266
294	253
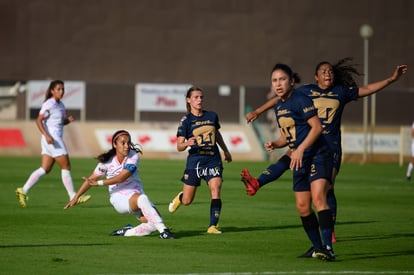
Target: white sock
409	169
143	229
34	177
149	212
68	183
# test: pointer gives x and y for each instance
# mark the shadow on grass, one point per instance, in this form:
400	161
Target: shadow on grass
230	229
49	245
374	255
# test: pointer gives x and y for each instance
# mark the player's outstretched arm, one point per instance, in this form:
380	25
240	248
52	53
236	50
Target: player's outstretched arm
84	187
251	116
378	86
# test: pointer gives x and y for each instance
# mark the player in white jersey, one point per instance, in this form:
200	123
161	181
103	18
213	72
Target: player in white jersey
120	167
411	164
50	121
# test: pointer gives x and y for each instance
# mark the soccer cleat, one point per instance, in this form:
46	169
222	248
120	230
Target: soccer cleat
21	197
213	230
173	206
83	199
252	185
166	234
121	232
408	178
308	254
325	254
333	237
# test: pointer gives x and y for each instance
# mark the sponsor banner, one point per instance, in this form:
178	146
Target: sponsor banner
74	97
236	141
11	138
165	141
160	97
382	143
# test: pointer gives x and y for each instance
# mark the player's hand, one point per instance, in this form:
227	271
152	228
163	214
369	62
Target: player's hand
251	116
269	146
296	159
191	141
71	203
399	71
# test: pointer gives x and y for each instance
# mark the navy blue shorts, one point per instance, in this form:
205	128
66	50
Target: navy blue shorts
318	167
194	176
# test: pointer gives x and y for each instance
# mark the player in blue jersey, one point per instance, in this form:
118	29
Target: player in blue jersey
199	132
311	159
334	88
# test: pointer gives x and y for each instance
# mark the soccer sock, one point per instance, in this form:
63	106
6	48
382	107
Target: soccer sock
149	211
311	226
274	171
68	183
326	225
409	169
142	229
215	209
34	177
331	200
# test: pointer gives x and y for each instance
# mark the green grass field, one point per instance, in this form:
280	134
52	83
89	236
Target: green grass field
261	234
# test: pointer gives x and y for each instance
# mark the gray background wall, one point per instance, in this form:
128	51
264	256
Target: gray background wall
114	44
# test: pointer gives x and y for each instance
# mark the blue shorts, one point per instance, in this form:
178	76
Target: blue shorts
318	167
193	176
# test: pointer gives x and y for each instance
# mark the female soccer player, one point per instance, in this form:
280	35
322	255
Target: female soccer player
311	159
120	167
199	131
335	87
50	121
411	163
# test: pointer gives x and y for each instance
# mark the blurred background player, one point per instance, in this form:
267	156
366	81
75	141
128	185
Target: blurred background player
334	88
50	121
199	131
411	163
120	166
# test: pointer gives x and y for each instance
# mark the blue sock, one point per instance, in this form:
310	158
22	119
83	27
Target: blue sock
311	226
274	171
331	200
215	209
326	225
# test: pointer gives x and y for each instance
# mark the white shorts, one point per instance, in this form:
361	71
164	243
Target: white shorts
412	148
120	201
58	148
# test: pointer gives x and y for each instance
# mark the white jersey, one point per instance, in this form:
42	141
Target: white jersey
113	167
54	114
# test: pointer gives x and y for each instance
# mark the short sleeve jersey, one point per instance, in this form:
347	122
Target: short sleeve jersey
330	104
292	116
204	129
54	114
113	167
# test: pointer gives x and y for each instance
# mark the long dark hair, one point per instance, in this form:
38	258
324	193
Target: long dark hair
287	70
52	85
104	157
343	72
